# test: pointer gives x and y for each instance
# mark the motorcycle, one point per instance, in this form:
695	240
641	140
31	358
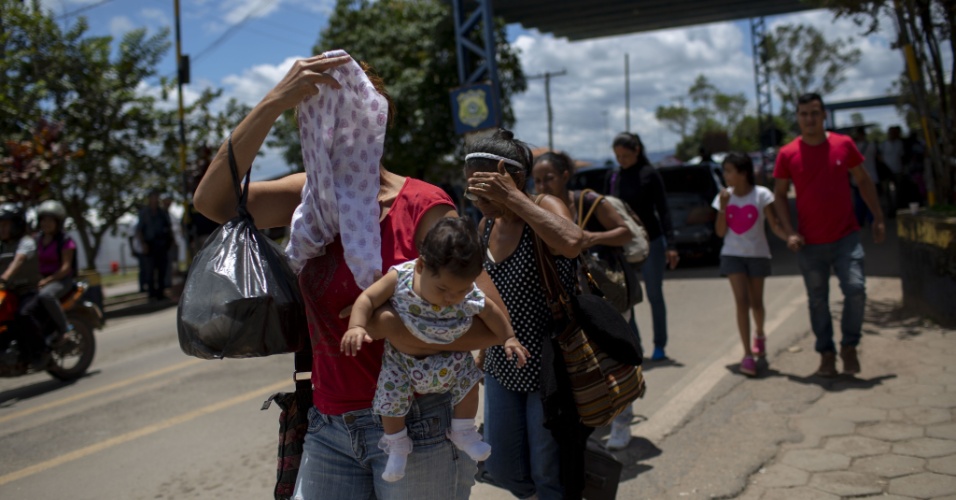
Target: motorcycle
70	354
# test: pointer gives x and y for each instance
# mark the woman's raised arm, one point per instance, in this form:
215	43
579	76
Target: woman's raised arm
215	196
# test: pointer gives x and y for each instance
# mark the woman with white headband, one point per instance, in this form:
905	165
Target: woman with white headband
341	457
530	418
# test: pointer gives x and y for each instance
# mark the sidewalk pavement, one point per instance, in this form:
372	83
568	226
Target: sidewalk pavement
888	432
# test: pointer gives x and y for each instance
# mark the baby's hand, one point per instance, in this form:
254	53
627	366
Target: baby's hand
353	339
514	348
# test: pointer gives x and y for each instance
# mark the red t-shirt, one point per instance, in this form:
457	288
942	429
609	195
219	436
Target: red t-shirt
820	175
346	383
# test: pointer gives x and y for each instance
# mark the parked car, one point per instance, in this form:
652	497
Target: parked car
591	177
691	189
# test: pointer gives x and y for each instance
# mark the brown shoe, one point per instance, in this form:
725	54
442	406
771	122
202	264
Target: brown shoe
827	365
851	363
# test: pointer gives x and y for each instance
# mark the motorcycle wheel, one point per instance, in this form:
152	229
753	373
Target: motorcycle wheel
73	353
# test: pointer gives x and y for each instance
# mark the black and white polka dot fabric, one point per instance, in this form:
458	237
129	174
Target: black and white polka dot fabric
519	282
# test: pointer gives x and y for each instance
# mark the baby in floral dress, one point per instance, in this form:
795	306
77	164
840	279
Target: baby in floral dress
436	297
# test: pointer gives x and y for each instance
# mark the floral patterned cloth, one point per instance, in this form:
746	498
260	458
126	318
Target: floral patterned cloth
428	322
403	376
342	132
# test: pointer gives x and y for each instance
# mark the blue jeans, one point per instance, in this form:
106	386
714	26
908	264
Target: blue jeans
341	458
845	257
50	296
524	455
653	273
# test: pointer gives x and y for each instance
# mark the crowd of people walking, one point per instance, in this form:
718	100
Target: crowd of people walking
367	436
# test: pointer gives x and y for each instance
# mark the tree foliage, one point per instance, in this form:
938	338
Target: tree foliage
929	89
411	45
803	60
707	123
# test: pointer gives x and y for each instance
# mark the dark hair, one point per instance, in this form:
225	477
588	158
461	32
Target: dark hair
560	160
379	85
504	144
453	245
742	164
632	142
810	97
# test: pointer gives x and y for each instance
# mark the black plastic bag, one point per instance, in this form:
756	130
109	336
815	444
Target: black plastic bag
241	298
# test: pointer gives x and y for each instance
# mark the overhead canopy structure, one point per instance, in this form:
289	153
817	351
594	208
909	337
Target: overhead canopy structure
584	19
579	19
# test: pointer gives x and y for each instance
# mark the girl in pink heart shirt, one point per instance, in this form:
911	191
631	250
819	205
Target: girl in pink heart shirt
742	208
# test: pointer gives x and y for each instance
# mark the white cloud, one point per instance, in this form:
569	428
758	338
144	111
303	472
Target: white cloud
235	11
120	25
157	16
323	7
588	103
253	83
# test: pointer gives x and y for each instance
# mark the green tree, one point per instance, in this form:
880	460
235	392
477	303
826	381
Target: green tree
803	60
208	123
89	88
411	45
925	29
677	119
707	122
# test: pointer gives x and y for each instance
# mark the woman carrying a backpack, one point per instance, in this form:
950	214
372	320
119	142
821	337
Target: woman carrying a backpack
57	254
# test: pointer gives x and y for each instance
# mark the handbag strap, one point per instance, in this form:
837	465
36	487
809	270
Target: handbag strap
242	191
582	221
558	299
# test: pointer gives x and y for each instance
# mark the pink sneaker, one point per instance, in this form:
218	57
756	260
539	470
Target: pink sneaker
760	346
748	366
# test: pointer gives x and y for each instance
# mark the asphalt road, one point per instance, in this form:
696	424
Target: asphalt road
151	423
147	423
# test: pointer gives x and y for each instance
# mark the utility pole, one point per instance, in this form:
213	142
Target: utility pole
547	97
182	72
627	94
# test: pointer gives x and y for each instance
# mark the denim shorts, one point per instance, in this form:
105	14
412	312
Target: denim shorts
755	267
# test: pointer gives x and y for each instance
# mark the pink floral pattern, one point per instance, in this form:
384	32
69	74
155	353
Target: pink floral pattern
342	133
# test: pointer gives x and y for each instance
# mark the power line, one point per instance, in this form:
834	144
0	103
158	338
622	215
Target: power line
82	9
231	30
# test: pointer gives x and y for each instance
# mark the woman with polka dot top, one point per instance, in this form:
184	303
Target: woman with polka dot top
529	415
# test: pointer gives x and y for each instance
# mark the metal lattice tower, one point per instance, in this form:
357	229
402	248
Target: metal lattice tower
476	63
764	93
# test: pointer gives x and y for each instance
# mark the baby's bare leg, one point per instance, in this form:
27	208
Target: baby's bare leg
467	408
394	424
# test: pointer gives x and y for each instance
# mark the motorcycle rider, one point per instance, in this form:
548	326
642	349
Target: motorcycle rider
56	253
19	274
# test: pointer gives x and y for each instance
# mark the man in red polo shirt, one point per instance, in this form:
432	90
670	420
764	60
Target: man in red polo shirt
819	163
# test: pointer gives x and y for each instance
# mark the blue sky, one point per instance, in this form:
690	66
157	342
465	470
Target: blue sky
246	46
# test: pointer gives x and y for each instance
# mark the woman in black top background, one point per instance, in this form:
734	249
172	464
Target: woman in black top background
640	185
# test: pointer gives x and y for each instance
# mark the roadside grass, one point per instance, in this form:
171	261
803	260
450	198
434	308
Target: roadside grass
130	275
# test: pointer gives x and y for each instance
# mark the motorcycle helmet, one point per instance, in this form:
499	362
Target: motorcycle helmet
52	208
9	211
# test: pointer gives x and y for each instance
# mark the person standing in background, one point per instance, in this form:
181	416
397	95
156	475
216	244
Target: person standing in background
640	185
172	255
155	233
891	153
870	152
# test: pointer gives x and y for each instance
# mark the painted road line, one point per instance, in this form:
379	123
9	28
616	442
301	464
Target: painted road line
668	417
94	392
145	431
